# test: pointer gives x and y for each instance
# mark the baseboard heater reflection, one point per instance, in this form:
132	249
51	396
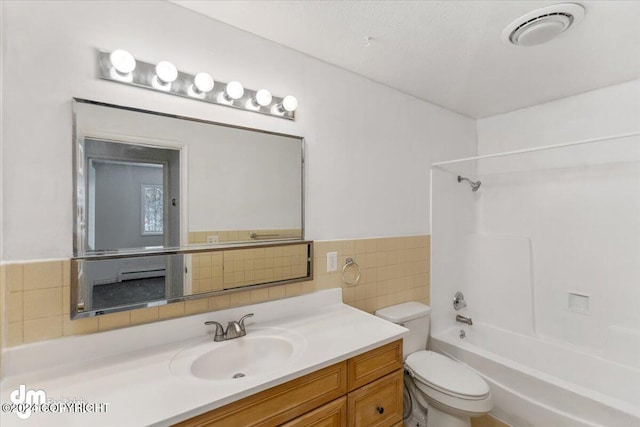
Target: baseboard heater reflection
141	274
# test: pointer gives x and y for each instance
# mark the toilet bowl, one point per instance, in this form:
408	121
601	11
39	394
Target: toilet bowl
443	392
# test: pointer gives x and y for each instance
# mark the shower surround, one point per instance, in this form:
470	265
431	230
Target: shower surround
546	252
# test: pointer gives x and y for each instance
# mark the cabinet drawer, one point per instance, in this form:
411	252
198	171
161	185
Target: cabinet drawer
378	404
279	404
333	414
374	364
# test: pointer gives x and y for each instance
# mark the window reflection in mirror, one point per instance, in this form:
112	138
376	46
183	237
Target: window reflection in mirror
152	211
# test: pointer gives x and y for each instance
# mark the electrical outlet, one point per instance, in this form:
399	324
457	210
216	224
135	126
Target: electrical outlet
332	261
212	239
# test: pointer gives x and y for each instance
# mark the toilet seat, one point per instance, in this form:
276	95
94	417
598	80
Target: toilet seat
448	385
446	375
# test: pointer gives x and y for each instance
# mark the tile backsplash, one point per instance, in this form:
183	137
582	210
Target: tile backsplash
35	303
215	271
244	267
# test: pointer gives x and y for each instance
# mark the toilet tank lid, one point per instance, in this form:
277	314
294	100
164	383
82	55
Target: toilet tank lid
404	312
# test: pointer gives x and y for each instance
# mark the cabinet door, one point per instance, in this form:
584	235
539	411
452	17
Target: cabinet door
374	364
378	404
333	414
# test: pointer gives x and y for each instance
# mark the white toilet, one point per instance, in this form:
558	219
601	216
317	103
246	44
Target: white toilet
449	392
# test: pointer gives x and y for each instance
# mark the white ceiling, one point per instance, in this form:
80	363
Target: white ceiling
450	52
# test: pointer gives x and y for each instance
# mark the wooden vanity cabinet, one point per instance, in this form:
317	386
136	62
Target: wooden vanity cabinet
364	391
375	387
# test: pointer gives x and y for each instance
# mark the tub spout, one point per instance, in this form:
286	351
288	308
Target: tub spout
463	319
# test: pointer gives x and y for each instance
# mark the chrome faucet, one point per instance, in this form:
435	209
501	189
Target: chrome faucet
234	329
463	319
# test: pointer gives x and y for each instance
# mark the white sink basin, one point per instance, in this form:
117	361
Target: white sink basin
261	352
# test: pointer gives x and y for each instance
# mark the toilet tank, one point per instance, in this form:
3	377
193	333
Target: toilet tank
413	316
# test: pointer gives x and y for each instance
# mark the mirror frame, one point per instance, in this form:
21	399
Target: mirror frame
80	216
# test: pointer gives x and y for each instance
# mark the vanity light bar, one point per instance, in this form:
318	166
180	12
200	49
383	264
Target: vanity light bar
120	66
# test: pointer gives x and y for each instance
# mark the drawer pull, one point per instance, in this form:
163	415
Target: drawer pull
380	409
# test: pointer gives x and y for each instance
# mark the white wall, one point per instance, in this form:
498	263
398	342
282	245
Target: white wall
368	151
597	114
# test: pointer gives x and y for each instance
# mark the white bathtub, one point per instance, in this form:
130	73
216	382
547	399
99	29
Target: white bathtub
535	382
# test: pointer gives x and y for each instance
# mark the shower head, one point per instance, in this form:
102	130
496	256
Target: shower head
475	185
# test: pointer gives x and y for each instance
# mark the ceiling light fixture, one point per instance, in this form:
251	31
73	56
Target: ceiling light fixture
543	25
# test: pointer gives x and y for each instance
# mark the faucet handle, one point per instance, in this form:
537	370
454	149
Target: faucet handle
219	336
458	301
241	321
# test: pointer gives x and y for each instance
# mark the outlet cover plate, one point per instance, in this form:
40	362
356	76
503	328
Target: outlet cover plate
332	261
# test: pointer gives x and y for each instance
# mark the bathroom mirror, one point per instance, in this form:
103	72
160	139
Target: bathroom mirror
169	208
147	180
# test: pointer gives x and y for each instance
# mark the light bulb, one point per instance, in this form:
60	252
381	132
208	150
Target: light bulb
263	97
202	84
123	63
166	73
290	103
234	90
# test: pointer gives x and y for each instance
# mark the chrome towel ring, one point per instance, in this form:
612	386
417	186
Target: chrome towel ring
351	264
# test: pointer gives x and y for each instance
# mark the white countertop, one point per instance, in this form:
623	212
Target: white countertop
129	368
